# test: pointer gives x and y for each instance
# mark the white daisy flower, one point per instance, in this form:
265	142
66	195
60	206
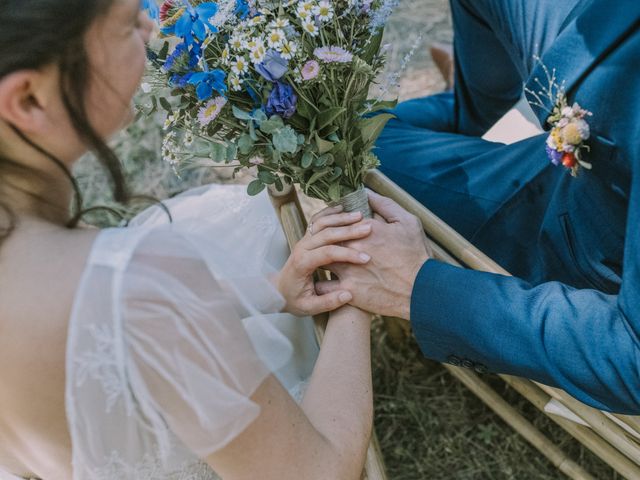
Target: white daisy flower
324	11
252	43
307	6
257	20
310	28
280	23
303	14
224	56
235	83
257	54
236	42
288	49
275	38
239	66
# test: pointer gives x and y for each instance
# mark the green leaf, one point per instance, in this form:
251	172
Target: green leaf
165	104
307	160
272	125
328	116
164	51
252	131
322	160
259	116
382	105
255	187
323	145
232	152
373	48
245	144
266	177
279	185
371	128
318	175
240	114
334	192
285	140
337	172
305	110
218	152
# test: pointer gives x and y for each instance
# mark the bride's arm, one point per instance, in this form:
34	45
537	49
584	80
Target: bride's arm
327	437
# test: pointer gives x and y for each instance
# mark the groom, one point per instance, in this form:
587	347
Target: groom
570	316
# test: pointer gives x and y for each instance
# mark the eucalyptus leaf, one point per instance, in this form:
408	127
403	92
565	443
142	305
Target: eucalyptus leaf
318	175
252	131
272	125
255	187
307	160
240	114
285	140
267	177
217	152
245	144
232	152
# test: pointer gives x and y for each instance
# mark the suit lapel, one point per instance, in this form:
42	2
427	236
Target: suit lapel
596	30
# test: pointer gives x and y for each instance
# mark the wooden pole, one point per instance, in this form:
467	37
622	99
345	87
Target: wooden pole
289	211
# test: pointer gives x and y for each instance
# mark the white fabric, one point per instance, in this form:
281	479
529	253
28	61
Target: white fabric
174	327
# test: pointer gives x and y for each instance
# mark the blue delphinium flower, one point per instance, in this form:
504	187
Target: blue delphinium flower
208	82
273	67
180	81
152	8
193	21
183	58
282	100
242	9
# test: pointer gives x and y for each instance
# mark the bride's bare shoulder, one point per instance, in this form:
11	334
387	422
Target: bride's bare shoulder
40	269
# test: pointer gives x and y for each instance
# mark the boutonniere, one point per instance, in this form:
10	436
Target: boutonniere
570	130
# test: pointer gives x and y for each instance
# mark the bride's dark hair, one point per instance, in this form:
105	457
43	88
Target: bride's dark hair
37	33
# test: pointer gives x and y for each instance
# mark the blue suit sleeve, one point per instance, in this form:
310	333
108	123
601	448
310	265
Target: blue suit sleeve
583	341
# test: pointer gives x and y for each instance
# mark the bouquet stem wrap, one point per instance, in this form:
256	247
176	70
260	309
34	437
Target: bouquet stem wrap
357	201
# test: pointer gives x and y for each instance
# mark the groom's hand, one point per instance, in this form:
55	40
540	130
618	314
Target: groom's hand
322	245
398	248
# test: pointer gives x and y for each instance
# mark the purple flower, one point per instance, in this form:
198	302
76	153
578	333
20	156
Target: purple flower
273	67
554	155
282	100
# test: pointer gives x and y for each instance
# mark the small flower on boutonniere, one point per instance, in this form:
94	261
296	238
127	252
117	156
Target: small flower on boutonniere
566	143
569	132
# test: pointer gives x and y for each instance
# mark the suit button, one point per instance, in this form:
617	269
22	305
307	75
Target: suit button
479	368
453	360
466	363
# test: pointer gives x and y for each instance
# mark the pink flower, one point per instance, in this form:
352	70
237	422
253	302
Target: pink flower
310	70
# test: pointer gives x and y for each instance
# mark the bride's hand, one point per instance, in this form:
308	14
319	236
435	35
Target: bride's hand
320	247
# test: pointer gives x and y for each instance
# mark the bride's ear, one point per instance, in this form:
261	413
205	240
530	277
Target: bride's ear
25	96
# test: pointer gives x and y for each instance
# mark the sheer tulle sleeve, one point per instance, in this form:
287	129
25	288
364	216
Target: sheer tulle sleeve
173	329
193	332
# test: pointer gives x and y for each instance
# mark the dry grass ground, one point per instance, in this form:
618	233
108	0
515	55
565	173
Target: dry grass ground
429	425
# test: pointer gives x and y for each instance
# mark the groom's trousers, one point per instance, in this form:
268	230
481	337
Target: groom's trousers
571	315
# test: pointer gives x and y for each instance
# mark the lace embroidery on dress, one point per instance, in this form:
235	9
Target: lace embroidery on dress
150	467
101	364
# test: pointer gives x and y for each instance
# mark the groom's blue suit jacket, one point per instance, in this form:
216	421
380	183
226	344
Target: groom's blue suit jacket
572	318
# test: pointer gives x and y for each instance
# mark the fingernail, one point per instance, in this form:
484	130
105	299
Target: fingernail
345	297
355	215
364	257
363	228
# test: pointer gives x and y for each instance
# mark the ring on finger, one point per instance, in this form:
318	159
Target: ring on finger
310	228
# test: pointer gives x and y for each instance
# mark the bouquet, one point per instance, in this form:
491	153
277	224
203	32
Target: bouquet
277	86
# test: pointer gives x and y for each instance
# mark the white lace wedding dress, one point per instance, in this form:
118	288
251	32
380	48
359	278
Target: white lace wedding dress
174	326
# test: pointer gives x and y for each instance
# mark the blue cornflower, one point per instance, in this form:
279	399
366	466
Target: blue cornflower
193	21
207	82
180	81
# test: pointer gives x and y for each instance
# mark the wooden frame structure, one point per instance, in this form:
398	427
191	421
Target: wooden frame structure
613	438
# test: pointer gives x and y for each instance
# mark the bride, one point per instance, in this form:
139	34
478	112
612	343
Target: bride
162	350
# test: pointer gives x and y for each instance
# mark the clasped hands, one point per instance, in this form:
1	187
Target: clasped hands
374	262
